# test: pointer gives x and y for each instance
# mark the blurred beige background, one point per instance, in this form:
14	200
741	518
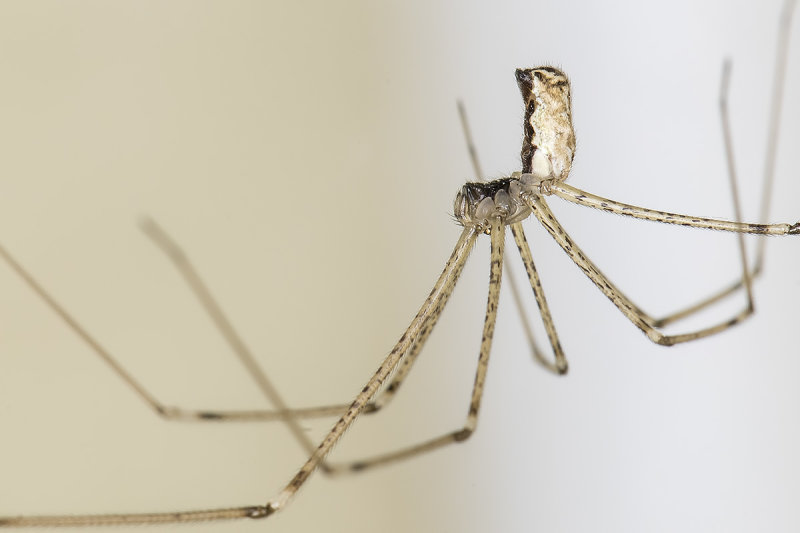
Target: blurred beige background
306	156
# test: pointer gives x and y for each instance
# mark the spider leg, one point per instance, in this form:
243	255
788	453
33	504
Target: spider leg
185	268
228	332
198	287
463	433
773	128
433	303
473	152
778	79
623	303
428	312
580	197
560	364
171	413
220	320
95	345
747	275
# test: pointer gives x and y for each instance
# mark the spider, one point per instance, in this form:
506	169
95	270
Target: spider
481	208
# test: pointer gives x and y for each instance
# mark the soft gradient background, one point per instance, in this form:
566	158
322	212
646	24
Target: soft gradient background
306	155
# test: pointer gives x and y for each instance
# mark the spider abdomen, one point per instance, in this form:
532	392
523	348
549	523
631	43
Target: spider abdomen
549	144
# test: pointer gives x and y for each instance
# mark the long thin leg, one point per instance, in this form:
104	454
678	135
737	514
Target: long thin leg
386	395
67	520
471	422
776	104
516	294
747	276
473	152
580	197
229	333
220	320
167	412
630	310
173	413
73	324
226	328
560	365
380	401
433	304
781	59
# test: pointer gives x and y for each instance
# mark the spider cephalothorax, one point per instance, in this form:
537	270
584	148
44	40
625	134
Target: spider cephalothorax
478	202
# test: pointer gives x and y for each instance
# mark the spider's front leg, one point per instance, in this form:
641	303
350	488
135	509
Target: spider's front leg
640	319
580	197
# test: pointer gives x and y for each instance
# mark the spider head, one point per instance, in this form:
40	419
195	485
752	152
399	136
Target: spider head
477	203
549	144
